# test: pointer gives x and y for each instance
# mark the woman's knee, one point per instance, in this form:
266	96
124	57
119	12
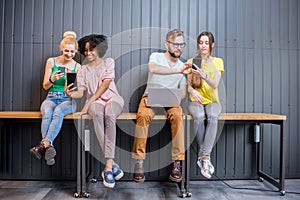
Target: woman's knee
198	117
58	112
47	108
110	118
213	118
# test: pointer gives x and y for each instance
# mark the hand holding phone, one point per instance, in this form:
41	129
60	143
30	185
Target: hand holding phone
196	61
62	69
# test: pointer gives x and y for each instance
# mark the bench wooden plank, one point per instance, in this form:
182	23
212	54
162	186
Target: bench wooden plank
251	116
129	116
132	116
30	115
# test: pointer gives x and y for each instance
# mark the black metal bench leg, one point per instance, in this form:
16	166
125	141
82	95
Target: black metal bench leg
184	188
77	194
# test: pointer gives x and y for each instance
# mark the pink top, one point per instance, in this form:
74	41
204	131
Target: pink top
90	78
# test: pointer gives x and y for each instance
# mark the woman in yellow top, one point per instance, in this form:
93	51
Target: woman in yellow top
204	100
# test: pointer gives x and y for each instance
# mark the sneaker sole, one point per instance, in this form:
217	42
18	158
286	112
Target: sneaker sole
119	176
175	179
50	153
139	180
109	185
212	170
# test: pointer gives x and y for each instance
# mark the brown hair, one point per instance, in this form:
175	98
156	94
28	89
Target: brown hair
195	80
210	38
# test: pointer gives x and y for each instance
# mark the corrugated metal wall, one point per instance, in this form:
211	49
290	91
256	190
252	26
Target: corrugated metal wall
257	39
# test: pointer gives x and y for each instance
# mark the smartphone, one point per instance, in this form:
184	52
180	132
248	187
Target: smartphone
196	61
71	78
62	69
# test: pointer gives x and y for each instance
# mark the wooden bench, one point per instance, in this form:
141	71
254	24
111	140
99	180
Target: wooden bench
236	118
81	169
250	117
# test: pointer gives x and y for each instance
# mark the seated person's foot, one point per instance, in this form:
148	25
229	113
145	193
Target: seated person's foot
205	167
108	179
50	153
38	151
138	175
211	168
176	172
117	172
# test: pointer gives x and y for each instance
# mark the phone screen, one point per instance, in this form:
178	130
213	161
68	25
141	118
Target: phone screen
71	78
62	69
196	61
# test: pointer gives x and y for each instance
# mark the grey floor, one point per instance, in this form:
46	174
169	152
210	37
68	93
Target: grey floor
127	190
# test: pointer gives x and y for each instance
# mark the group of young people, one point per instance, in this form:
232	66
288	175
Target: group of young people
103	102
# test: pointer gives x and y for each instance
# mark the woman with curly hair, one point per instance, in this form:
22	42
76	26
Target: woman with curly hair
103	102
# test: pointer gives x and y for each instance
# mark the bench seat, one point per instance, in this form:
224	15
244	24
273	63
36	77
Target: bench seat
132	116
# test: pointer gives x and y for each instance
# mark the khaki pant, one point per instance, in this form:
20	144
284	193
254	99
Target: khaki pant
144	116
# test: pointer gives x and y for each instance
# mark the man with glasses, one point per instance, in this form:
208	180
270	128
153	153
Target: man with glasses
165	71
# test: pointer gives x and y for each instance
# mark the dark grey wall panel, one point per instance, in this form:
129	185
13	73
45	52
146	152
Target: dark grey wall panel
258	41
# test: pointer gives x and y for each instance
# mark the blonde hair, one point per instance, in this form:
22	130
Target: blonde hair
69	37
69	33
173	34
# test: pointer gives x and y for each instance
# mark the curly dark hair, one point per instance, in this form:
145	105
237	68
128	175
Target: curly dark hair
96	41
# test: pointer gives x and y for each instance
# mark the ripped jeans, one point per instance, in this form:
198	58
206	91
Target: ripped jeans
53	109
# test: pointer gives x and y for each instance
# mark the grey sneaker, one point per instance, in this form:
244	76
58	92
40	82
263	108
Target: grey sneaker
50	153
204	166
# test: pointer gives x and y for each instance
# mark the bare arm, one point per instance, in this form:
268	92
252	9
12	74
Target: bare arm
47	75
195	94
214	82
72	93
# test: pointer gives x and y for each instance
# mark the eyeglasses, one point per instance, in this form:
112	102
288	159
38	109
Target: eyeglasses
176	45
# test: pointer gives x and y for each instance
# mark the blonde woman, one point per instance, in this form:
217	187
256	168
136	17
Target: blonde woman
57	104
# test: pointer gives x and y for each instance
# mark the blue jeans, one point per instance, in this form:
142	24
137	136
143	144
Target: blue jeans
53	109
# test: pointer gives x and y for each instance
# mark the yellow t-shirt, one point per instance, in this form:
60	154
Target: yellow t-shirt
209	94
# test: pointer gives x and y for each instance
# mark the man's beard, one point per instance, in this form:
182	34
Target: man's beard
173	54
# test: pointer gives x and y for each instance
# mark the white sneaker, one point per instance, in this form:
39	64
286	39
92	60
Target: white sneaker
204	166
211	168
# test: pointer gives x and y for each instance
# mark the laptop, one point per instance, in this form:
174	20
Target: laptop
163	97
